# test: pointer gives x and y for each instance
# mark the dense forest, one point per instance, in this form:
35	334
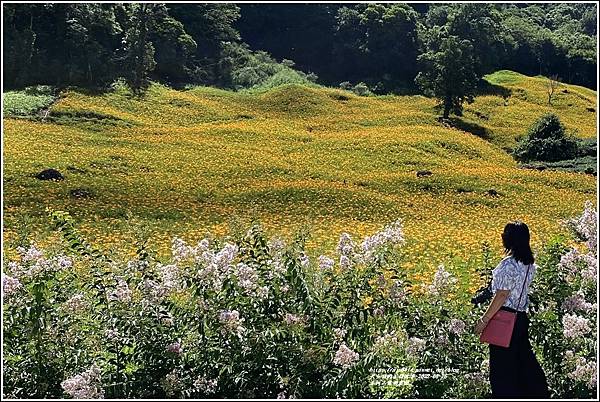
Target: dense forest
381	48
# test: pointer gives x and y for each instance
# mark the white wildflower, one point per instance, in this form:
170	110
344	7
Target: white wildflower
112	334
175	347
86	385
339	334
585	372
180	250
231	321
262	292
293	319
577	302
415	346
456	326
121	293
171	384
575	326
10	285
346	245
345	262
205	385
76	303
31	254
304	260
247	276
391	235
345	356
442	281
326	263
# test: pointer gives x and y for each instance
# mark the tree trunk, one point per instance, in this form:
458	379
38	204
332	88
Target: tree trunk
447	105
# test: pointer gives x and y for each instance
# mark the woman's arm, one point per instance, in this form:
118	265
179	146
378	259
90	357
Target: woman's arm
497	302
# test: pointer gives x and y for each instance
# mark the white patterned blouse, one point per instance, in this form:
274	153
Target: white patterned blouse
509	275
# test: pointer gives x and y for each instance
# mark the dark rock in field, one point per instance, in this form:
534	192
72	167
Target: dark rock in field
534	167
81	193
565	91
49	174
461	190
424	173
340	97
590	170
493	193
481	115
245	116
590	109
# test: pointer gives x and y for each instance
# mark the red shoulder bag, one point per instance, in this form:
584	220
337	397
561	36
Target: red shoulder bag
499	329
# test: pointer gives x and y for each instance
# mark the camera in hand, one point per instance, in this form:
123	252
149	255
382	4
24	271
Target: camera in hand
483	295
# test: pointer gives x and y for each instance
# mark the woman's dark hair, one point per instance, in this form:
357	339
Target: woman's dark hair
515	239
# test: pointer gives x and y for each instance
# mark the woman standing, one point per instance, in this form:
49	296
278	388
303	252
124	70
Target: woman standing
514	371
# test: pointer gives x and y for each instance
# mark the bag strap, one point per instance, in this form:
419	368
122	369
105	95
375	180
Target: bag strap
524	282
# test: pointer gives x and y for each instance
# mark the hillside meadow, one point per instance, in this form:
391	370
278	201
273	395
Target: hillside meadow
184	163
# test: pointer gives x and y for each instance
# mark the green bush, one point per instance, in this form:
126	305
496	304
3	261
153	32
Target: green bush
245	69
360	89
28	101
547	141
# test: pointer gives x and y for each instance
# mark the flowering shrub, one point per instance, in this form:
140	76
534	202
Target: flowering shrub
250	317
564	309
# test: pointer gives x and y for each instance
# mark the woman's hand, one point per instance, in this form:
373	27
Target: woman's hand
481	324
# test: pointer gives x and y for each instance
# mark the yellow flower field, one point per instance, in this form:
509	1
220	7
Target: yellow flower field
205	160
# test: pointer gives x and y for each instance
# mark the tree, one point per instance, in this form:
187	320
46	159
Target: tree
211	27
379	41
546	140
174	49
481	24
60	44
19	42
552	84
447	70
137	57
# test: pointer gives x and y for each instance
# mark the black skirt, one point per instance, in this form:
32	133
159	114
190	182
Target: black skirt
515	371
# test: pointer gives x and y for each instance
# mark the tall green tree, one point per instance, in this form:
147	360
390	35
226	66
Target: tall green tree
447	70
212	27
19	42
137	54
174	49
479	23
380	41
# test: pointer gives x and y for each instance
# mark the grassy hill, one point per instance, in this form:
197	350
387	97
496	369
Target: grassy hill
188	162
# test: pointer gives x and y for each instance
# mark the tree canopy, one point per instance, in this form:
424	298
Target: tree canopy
384	46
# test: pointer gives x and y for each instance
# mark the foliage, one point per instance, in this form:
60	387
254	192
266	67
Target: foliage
82	44
480	24
564	310
546	140
360	89
448	70
244	69
27	102
249	317
91	45
375	41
